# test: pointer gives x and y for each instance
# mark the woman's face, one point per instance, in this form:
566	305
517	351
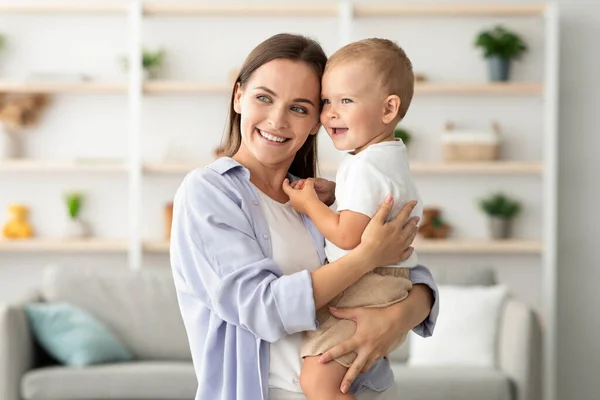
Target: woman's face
279	108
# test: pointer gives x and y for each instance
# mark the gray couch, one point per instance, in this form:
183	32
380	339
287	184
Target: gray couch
141	308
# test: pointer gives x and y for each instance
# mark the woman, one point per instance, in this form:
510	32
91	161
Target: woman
247	267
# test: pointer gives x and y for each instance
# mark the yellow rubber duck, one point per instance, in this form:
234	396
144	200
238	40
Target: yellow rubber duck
17	226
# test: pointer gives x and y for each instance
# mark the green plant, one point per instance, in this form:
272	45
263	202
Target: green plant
74	202
500	205
501	43
403	134
150	59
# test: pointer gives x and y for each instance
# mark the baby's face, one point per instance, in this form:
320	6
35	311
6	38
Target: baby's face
353	105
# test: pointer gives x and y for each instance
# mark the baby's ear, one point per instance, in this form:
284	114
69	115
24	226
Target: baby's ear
391	107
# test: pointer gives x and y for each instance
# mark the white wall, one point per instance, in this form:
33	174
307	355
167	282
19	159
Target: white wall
95	126
579	220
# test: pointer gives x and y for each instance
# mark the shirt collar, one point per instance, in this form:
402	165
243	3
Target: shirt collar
223	165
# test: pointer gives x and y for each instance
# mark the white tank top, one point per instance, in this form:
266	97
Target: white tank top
293	251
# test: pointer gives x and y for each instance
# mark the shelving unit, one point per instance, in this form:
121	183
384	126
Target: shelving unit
345	15
48	245
61	88
27	166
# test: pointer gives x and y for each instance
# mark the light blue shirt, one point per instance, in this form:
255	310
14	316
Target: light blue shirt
233	298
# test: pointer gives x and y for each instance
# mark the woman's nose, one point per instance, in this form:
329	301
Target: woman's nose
277	119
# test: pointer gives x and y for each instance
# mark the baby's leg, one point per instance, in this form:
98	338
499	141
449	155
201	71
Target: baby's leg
323	381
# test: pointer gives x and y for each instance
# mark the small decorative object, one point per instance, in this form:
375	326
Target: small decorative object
75	226
421	77
17	226
464	145
433	225
402	134
500	46
152	62
17	112
168	220
501	210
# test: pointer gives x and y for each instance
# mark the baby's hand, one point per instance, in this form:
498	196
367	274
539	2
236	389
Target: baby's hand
301	193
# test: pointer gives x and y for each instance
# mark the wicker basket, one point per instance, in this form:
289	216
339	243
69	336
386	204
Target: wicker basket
469	146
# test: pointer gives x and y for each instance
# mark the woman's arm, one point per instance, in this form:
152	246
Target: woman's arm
217	258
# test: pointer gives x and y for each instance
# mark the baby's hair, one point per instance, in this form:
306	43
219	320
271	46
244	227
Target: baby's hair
392	65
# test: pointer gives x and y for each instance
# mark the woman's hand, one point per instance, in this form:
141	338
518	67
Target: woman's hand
378	330
385	243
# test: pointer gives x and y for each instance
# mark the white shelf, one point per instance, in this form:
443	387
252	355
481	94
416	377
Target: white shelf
449	10
478	246
24	166
182	87
486	88
479	168
63	8
449	246
59	87
43	245
421	88
274	9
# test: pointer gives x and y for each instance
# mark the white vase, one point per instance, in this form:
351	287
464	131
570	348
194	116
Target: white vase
10	143
76	228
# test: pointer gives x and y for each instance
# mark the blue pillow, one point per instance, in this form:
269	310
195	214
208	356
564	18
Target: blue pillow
73	336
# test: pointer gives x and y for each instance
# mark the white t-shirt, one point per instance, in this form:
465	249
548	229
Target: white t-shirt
293	251
363	180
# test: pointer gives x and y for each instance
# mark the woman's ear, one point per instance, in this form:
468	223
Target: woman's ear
391	106
237	98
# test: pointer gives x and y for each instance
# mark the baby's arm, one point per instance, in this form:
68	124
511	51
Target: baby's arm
344	229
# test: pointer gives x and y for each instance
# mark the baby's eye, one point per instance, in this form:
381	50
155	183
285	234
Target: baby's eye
325	101
346	101
298	109
263	98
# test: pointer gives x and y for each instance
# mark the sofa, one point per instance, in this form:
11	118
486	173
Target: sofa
140	307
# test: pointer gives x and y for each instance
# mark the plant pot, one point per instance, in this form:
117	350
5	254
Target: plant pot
11	143
500	228
76	228
150	73
499	69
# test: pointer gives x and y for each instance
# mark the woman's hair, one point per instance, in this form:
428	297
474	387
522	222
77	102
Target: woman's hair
281	46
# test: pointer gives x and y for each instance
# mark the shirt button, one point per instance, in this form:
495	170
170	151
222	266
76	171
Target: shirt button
295	381
265	236
255	202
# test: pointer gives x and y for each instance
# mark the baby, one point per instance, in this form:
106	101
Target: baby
367	88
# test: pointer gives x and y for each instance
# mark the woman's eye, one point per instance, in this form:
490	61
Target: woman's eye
263	98
346	101
298	110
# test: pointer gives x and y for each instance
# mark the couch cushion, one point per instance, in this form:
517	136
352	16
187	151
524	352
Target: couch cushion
464	276
73	336
434	383
142	380
140	307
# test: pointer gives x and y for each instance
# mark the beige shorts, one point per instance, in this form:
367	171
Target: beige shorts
380	288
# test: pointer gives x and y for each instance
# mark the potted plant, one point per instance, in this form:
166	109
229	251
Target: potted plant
500	46
152	62
75	226
501	210
2	42
402	134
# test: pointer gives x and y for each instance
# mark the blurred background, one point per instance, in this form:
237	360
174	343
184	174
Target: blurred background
502	136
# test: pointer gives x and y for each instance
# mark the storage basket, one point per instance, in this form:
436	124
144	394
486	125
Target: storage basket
470	145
